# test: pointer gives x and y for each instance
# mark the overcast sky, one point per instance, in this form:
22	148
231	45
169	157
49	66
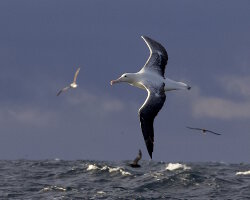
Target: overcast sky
42	43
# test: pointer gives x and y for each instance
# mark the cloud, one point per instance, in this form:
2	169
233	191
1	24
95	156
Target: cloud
220	108
101	103
223	108
78	103
236	85
27	115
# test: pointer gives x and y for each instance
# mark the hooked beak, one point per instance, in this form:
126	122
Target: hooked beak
115	81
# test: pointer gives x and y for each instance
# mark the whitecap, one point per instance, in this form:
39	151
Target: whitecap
101	192
175	166
124	173
50	188
92	167
243	173
104	168
115	169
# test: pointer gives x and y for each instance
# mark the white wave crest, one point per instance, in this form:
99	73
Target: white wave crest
175	166
110	169
243	173
115	169
50	188
101	192
92	167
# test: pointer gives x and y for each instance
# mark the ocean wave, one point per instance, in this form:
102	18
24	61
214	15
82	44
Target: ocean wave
109	169
243	173
90	179
92	167
53	188
175	166
101	192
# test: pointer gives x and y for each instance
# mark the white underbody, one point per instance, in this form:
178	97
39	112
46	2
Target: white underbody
73	85
150	79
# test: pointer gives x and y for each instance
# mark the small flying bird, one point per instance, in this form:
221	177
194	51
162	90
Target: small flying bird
136	160
73	85
204	131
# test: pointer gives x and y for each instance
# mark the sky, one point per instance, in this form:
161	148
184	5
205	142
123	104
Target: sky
42	43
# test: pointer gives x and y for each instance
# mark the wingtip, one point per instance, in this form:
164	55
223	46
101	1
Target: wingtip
151	155
144	37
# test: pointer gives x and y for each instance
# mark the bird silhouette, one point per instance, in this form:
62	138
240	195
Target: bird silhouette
204	131
136	160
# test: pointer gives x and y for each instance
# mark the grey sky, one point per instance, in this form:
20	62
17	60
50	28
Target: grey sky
42	43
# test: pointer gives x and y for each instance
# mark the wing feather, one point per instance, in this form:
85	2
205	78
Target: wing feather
158	57
213	132
199	129
147	113
76	74
62	90
136	160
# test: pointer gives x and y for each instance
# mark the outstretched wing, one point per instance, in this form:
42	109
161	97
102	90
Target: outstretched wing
148	111
136	160
158	57
63	90
76	74
199	129
213	132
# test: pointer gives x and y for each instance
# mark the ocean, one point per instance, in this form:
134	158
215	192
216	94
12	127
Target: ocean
83	179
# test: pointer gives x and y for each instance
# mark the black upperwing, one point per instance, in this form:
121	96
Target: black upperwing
148	111
213	132
158	57
193	128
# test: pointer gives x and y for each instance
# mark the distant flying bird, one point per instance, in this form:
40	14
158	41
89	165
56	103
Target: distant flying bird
73	85
136	160
151	78
204	131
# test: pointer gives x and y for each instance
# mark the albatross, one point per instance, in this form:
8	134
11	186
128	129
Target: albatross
73	85
136	160
204	131
151	78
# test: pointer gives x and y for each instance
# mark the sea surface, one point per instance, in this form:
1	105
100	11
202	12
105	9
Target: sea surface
59	179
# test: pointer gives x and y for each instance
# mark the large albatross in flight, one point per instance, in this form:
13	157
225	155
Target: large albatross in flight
151	78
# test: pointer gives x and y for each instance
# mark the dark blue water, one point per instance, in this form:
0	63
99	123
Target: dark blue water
56	179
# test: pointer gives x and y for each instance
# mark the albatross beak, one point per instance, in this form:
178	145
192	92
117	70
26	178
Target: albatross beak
114	81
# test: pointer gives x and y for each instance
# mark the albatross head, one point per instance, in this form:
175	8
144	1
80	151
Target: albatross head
127	77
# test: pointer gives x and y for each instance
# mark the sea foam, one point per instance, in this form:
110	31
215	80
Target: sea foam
109	169
92	167
243	173
175	166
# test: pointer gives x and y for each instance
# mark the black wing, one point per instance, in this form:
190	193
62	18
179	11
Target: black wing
62	90
213	132
199	129
158	57
148	111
